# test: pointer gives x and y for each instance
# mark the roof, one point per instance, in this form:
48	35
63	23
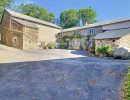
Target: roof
25	23
97	24
113	34
25	17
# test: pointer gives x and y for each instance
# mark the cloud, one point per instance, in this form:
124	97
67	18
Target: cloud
24	1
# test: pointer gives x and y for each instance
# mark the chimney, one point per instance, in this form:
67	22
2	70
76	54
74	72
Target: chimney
85	22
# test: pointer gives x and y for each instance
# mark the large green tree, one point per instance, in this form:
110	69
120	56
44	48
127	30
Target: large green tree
87	15
37	12
69	18
4	4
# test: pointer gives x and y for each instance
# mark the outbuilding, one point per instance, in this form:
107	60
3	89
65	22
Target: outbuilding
114	38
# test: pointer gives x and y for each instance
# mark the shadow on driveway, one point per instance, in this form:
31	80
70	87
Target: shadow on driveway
79	52
63	79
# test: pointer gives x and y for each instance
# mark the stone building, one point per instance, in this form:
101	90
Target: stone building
25	32
114	38
92	30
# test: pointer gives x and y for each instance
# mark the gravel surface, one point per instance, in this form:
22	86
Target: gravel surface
59	75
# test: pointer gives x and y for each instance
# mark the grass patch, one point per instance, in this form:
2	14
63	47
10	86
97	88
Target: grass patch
126	87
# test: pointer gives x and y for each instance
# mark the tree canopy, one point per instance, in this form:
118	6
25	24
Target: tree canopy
36	11
4	4
87	15
69	18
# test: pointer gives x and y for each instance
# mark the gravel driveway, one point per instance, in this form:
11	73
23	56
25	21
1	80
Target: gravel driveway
60	75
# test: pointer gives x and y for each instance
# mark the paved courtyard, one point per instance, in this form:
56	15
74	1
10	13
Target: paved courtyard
59	75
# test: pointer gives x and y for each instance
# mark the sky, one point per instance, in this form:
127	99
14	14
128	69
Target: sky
105	9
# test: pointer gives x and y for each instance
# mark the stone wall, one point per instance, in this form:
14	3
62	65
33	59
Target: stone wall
6	20
113	43
30	38
16	26
125	42
12	32
5	26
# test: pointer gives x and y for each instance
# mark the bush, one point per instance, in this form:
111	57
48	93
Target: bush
75	36
52	45
104	50
70	48
62	45
126	87
92	51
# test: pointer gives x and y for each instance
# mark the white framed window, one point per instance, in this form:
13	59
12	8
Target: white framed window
75	43
91	31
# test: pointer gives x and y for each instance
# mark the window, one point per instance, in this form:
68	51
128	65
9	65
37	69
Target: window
74	32
75	43
90	43
113	40
91	31
61	34
15	40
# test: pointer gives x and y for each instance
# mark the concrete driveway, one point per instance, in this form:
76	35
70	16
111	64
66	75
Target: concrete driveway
60	75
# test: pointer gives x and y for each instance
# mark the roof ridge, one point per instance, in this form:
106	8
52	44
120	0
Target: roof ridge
98	24
15	14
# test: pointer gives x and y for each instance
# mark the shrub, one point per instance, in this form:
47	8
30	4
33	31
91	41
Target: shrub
104	50
87	39
92	51
52	45
70	48
62	45
75	36
126	87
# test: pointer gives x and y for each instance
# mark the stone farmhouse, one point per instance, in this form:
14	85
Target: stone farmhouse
115	33
24	32
28	33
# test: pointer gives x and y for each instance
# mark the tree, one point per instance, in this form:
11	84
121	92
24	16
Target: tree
57	22
4	4
87	15
37	12
69	18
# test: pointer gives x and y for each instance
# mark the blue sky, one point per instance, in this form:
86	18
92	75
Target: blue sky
106	9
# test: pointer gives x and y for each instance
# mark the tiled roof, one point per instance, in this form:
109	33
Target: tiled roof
25	23
25	17
118	33
97	24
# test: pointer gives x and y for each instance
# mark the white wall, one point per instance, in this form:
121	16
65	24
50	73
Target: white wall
117	25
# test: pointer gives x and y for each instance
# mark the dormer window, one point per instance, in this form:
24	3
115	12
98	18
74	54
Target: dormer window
91	31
